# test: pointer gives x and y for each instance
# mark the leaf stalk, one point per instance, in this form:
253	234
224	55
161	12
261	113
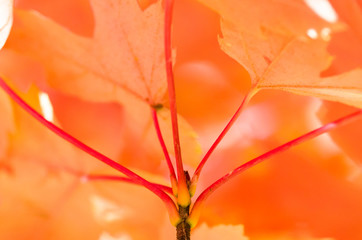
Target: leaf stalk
196	209
183	198
165	151
233	119
171	207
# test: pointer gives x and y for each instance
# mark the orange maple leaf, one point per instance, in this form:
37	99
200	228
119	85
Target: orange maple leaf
277	52
119	73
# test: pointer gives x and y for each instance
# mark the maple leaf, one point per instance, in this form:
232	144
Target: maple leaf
115	58
345	47
322	199
122	62
275	50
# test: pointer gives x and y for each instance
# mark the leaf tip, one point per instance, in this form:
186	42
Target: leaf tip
144	4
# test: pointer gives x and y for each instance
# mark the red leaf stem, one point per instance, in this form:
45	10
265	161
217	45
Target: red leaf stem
182	189
171	87
310	135
164	148
133	176
245	100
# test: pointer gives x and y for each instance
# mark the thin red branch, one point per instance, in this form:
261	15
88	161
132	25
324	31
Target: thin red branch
133	176
182	191
310	135
163	146
171	89
197	173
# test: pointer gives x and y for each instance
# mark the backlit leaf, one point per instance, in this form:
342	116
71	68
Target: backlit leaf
272	43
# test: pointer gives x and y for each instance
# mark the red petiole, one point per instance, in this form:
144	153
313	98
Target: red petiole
133	176
197	173
165	152
182	191
305	137
180	187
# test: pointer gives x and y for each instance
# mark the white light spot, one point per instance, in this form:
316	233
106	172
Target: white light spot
6	20
323	9
107	211
312	33
107	236
326	34
46	106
